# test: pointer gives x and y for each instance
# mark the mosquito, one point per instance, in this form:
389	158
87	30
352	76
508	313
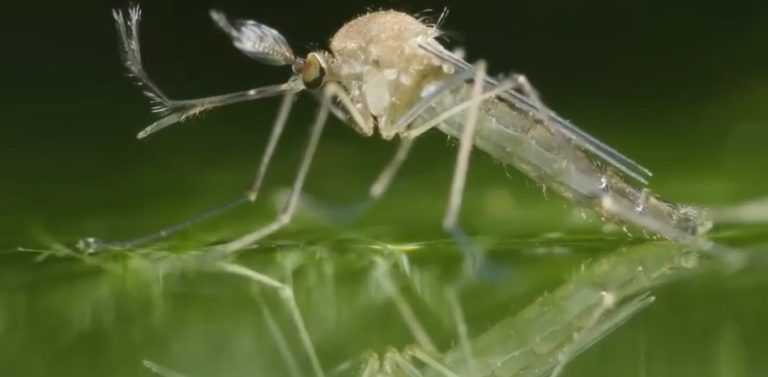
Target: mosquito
386	71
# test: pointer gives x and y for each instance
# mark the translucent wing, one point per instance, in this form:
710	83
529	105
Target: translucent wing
570	131
256	40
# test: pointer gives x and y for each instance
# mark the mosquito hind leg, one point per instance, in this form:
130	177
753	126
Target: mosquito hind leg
524	86
466	139
386	176
450	221
498	89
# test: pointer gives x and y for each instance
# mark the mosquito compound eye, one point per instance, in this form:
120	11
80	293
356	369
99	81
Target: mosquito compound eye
312	71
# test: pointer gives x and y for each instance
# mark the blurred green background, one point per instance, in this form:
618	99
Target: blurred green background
681	87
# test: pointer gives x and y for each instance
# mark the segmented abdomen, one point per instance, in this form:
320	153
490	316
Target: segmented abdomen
522	139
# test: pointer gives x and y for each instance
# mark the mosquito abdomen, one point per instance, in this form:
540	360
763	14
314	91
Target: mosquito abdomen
521	139
628	203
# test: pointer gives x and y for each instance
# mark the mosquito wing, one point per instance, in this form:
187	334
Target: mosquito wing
559	125
255	39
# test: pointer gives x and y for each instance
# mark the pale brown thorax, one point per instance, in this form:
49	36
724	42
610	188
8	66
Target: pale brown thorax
377	58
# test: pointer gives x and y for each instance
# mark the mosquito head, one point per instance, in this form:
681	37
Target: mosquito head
311	69
268	46
256	40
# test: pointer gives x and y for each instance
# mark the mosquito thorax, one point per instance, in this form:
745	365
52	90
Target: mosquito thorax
377	58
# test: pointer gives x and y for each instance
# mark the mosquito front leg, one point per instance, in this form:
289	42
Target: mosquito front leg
350	114
174	111
93	244
285	215
360	123
274	137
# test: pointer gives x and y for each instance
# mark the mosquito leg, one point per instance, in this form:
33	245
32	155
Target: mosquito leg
461	328
348	113
465	147
161	370
274	137
285	215
372	366
406	311
93	244
286	294
431	362
361	124
349	213
524	86
282	343
394	361
450	221
364	125
384	180
174	111
352	116
519	82
415	131
606	317
528	90
177	110
405	120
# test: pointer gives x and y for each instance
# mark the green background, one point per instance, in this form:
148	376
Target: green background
681	87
